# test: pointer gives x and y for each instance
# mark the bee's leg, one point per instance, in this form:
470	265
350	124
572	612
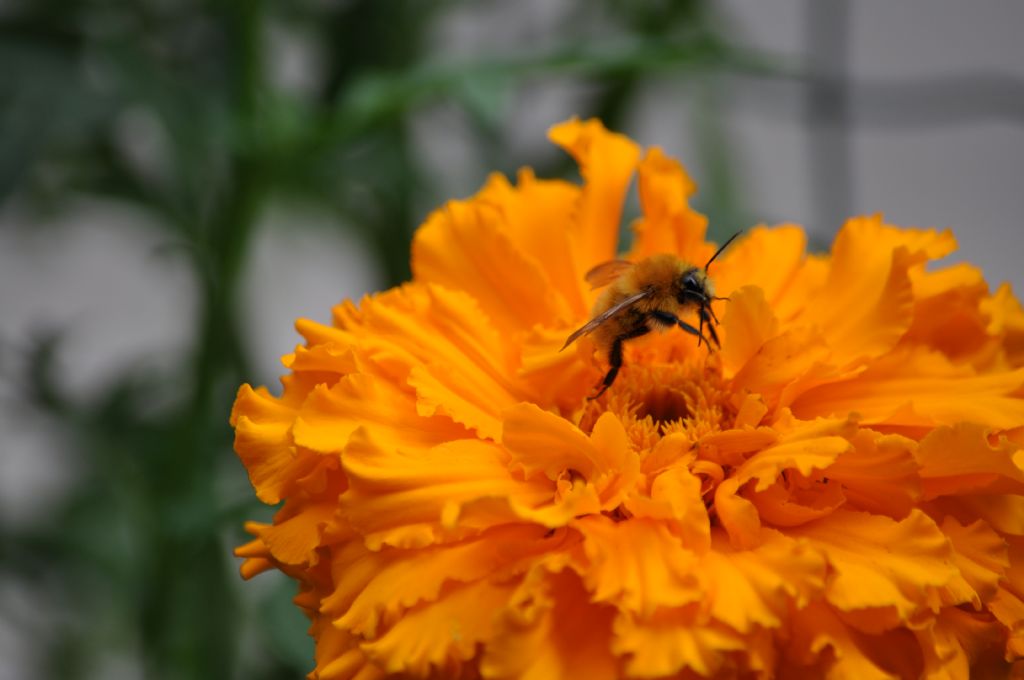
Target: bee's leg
615	358
707	315
692	331
712	312
667	318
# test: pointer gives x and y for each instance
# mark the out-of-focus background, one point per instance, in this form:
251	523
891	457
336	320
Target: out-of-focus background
180	179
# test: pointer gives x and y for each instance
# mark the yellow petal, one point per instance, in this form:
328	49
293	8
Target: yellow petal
331	415
459	248
738	515
780	361
559	379
786	504
919	388
768	258
947	311
607	161
263	442
668	224
331	359
804	288
527	213
541	442
402	579
732	447
960	459
572	498
676	499
816	629
674	640
295	534
1002	512
457	362
756	588
879	475
804	455
748	324
338	656
751	412
981	557
441	343
415	497
866	304
878	562
637	565
1006	320
550	629
442	635
317	333
960	645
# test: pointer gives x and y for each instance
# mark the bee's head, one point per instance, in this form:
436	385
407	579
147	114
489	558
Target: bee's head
693	286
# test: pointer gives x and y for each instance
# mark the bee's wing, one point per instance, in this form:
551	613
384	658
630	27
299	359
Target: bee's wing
606	272
604	316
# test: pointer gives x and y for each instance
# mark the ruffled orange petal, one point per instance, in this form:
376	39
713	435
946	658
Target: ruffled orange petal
550	629
960	459
295	535
541	442
527	212
1007	604
637	565
767	258
880	563
338	656
947	311
791	503
676	499
329	360
792	356
401	579
747	326
756	588
866	304
672	641
919	389
804	454
607	162
821	640
738	515
804	288
412	498
879	475
459	248
441	344
961	645
668	224
441	635
558	378
330	416
980	555
1006	320
263	441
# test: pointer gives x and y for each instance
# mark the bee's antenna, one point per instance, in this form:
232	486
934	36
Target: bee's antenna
721	248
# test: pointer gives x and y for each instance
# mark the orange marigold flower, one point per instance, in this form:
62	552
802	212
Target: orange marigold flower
838	491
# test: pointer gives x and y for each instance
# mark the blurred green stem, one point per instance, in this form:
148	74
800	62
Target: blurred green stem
194	569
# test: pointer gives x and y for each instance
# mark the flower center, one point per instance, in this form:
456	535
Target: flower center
656	399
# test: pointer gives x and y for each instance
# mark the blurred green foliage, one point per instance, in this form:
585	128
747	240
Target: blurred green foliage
137	556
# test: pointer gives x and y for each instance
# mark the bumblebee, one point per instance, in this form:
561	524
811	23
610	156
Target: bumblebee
644	296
